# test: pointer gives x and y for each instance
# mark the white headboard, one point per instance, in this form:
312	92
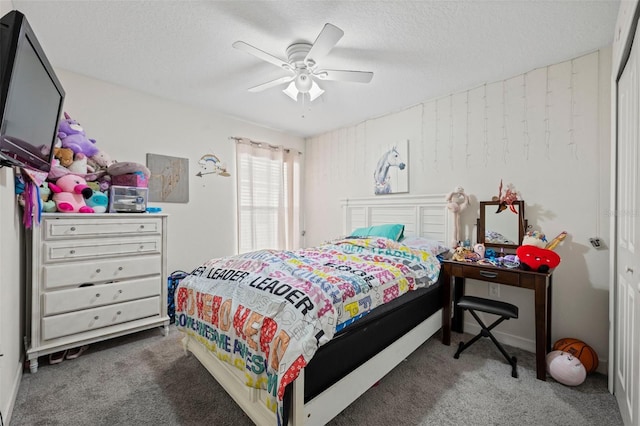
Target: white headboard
423	215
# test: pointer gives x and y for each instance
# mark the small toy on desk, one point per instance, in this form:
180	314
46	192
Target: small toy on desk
464	254
535	256
534	238
557	240
69	193
537	259
480	250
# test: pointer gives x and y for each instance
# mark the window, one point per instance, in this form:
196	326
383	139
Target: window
268	197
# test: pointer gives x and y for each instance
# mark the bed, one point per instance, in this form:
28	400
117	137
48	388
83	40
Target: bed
311	370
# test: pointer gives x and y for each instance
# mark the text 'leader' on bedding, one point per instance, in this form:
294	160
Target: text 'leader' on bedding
294	296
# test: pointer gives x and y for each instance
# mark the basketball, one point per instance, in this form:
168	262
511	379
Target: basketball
580	350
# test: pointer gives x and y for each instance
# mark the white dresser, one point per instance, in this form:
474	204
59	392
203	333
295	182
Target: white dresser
91	277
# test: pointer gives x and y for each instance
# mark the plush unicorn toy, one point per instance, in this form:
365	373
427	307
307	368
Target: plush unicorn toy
72	136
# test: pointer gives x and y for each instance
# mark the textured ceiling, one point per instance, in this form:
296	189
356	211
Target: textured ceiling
418	50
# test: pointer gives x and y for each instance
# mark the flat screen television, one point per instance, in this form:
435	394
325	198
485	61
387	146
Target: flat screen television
31	97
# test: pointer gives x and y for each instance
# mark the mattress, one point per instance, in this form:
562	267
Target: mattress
370	335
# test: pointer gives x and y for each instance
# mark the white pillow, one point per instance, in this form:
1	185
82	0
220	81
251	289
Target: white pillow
421	243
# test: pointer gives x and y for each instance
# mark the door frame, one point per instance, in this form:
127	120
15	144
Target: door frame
623	39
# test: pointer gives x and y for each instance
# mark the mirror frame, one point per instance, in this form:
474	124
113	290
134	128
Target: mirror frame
522	225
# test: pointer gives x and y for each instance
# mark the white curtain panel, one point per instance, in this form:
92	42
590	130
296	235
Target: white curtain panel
268	180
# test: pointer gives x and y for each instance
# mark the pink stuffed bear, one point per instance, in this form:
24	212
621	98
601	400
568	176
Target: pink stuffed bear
69	193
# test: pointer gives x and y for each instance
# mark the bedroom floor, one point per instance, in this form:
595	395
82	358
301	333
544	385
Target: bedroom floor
145	379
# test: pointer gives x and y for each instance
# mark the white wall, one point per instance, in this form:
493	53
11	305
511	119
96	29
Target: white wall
11	287
546	131
128	124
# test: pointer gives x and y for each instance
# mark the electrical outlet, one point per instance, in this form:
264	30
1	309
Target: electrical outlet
494	290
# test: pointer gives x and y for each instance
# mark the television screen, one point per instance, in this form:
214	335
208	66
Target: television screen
32	97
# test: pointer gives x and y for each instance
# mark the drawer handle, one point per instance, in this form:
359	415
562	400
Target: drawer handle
120	268
98	270
488	274
119	312
96	317
73	228
120	291
141	226
97	294
72	251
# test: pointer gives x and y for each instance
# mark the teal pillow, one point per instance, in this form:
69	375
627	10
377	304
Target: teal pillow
391	231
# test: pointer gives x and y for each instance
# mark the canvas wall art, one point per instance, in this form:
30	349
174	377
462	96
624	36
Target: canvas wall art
391	173
169	181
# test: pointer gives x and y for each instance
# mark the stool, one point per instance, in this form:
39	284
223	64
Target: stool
504	310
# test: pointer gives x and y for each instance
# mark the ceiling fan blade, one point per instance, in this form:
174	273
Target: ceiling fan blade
260	54
343	75
272	83
327	39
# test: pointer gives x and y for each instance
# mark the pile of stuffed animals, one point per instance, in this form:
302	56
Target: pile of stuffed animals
81	173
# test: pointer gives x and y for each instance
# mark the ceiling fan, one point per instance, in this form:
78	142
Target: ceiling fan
302	65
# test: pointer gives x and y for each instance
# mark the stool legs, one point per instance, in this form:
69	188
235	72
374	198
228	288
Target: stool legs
486	332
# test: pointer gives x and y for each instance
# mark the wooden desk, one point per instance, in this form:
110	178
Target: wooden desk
539	282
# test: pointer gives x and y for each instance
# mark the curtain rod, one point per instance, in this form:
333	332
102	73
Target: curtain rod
260	144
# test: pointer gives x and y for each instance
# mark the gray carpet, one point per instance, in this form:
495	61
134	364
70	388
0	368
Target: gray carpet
145	379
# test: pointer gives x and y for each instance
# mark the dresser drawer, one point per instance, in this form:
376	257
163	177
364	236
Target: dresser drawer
58	302
72	250
492	274
74	274
55	229
90	319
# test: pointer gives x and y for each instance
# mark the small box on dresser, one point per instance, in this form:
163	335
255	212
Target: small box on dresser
92	277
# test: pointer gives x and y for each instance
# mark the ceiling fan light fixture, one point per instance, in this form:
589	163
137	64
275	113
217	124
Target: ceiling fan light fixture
315	92
291	91
301	63
303	82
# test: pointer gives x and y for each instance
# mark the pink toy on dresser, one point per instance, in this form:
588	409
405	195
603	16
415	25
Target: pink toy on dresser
69	193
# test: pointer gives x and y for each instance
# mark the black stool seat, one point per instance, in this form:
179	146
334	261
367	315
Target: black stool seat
489	306
504	310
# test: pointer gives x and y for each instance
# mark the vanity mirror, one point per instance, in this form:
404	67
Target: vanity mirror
501	226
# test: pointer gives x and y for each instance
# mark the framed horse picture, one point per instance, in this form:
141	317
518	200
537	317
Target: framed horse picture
391	173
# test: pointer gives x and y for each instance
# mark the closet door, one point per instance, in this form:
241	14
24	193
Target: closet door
627	289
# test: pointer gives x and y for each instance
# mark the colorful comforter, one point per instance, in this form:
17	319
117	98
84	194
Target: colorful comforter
267	312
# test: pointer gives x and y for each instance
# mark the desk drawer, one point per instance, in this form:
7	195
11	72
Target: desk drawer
493	274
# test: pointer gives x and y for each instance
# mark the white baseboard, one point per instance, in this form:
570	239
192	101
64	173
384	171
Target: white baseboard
13	394
525	344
